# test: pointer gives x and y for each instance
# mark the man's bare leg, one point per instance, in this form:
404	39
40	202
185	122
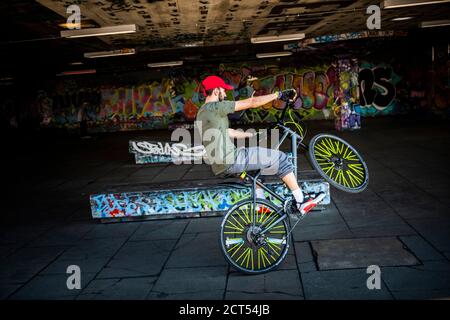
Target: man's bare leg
291	181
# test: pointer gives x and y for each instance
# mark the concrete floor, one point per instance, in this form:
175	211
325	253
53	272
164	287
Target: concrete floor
401	223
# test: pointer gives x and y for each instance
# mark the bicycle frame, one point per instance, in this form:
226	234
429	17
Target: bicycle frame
296	142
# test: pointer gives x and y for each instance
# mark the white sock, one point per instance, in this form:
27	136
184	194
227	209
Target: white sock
259	193
298	195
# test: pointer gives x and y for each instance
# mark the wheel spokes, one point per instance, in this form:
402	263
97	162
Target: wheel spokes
339	162
248	249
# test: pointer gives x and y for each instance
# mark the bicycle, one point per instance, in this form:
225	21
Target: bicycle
255	233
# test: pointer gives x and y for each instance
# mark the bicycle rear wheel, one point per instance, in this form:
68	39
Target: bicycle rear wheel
338	163
241	245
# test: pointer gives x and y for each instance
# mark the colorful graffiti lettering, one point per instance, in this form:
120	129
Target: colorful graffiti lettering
153	152
176	100
377	90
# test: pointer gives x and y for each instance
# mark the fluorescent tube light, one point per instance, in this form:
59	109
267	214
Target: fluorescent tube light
393	4
113	53
165	64
71	73
191	44
273	54
95	32
435	23
402	18
285	37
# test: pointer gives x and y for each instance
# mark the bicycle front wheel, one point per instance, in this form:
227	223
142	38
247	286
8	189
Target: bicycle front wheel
338	163
244	247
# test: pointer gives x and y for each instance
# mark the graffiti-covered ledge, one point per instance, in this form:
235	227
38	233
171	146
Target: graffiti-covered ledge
195	198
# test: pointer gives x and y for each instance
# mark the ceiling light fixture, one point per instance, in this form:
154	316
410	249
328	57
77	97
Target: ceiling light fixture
393	4
113	53
402	18
71	73
285	37
165	64
435	23
192	44
95	32
273	54
76	63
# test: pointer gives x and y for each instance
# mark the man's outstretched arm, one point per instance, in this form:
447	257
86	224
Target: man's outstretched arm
255	102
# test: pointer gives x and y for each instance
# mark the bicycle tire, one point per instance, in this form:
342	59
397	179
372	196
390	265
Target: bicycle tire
352	174
241	247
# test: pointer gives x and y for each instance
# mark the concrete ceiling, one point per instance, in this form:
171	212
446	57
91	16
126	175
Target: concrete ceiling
170	23
30	29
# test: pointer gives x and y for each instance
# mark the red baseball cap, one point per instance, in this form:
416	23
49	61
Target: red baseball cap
212	82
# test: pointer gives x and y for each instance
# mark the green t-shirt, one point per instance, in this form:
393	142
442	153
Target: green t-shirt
212	123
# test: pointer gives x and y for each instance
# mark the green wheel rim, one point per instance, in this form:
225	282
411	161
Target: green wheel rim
339	163
244	254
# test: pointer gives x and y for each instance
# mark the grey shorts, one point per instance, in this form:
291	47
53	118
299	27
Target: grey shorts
269	161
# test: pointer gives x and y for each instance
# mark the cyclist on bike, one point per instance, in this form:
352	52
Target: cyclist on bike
224	158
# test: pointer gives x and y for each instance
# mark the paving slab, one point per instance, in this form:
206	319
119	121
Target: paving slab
87	249
118	289
305	258
88	265
191	281
341	285
112	230
50	287
25	263
8	249
197	250
138	259
285	282
239	295
160	230
209	224
421	249
319	232
389	230
198	295
436	231
422	295
7	289
289	262
330	215
21	234
418	280
361	253
63	235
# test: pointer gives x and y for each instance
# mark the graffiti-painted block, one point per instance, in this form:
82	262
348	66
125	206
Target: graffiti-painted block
164	152
188	202
347	118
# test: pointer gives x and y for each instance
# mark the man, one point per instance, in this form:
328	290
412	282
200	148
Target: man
224	158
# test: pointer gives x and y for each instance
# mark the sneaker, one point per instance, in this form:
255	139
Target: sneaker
308	205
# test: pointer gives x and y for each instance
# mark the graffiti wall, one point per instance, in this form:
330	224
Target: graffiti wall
173	100
367	88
